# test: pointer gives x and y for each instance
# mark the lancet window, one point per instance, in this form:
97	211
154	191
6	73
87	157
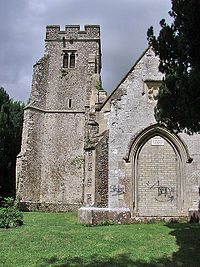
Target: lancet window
69	60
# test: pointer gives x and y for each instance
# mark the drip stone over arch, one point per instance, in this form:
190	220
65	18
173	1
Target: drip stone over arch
143	136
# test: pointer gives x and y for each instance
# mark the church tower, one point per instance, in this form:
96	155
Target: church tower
50	166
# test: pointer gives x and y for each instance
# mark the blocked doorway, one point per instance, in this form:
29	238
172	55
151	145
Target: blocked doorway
157	178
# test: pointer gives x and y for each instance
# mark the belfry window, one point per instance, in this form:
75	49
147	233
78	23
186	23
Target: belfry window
65	60
72	60
69	60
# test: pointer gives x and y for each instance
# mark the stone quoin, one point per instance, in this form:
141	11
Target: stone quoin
104	156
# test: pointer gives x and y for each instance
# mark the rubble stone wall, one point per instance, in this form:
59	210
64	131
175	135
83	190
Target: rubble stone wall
129	115
51	162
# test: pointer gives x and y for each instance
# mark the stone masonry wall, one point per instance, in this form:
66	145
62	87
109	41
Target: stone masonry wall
128	116
30	171
54	128
62	167
101	172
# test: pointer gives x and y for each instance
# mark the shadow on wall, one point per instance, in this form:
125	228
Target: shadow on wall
187	237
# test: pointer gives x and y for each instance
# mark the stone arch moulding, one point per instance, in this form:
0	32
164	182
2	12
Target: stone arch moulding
144	135
134	148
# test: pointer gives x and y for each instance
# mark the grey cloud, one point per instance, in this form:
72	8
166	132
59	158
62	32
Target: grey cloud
123	34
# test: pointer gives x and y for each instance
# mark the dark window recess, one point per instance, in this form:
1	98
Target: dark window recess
70	103
69	60
95	70
65	60
72	60
64	44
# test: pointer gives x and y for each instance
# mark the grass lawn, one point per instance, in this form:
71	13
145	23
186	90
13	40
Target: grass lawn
55	239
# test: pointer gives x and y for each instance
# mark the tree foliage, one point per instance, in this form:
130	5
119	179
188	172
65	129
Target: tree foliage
11	119
178	46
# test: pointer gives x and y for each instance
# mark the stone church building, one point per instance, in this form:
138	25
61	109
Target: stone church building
104	156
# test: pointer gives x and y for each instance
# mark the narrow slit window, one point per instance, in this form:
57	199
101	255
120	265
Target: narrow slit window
70	103
95	70
64	44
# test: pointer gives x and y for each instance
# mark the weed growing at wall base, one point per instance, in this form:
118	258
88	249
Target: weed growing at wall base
10	216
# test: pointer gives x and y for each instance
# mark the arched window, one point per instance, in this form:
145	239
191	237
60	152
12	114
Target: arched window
69	60
72	60
65	60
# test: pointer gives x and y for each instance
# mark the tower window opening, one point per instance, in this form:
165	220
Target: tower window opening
69	60
72	60
70	103
64	44
95	70
65	60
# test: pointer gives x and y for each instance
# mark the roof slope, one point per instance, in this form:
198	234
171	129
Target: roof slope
116	94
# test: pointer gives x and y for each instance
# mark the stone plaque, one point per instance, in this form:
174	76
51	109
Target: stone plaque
157	142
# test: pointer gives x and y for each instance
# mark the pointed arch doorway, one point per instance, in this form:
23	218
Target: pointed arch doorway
157	158
158	178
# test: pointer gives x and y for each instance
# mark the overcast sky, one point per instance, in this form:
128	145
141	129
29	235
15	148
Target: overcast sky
124	24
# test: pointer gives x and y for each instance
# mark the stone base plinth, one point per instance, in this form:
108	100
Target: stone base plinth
156	219
91	215
47	207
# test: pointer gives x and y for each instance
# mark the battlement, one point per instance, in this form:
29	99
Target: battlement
73	31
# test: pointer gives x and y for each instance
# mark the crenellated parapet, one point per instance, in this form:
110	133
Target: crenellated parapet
73	32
